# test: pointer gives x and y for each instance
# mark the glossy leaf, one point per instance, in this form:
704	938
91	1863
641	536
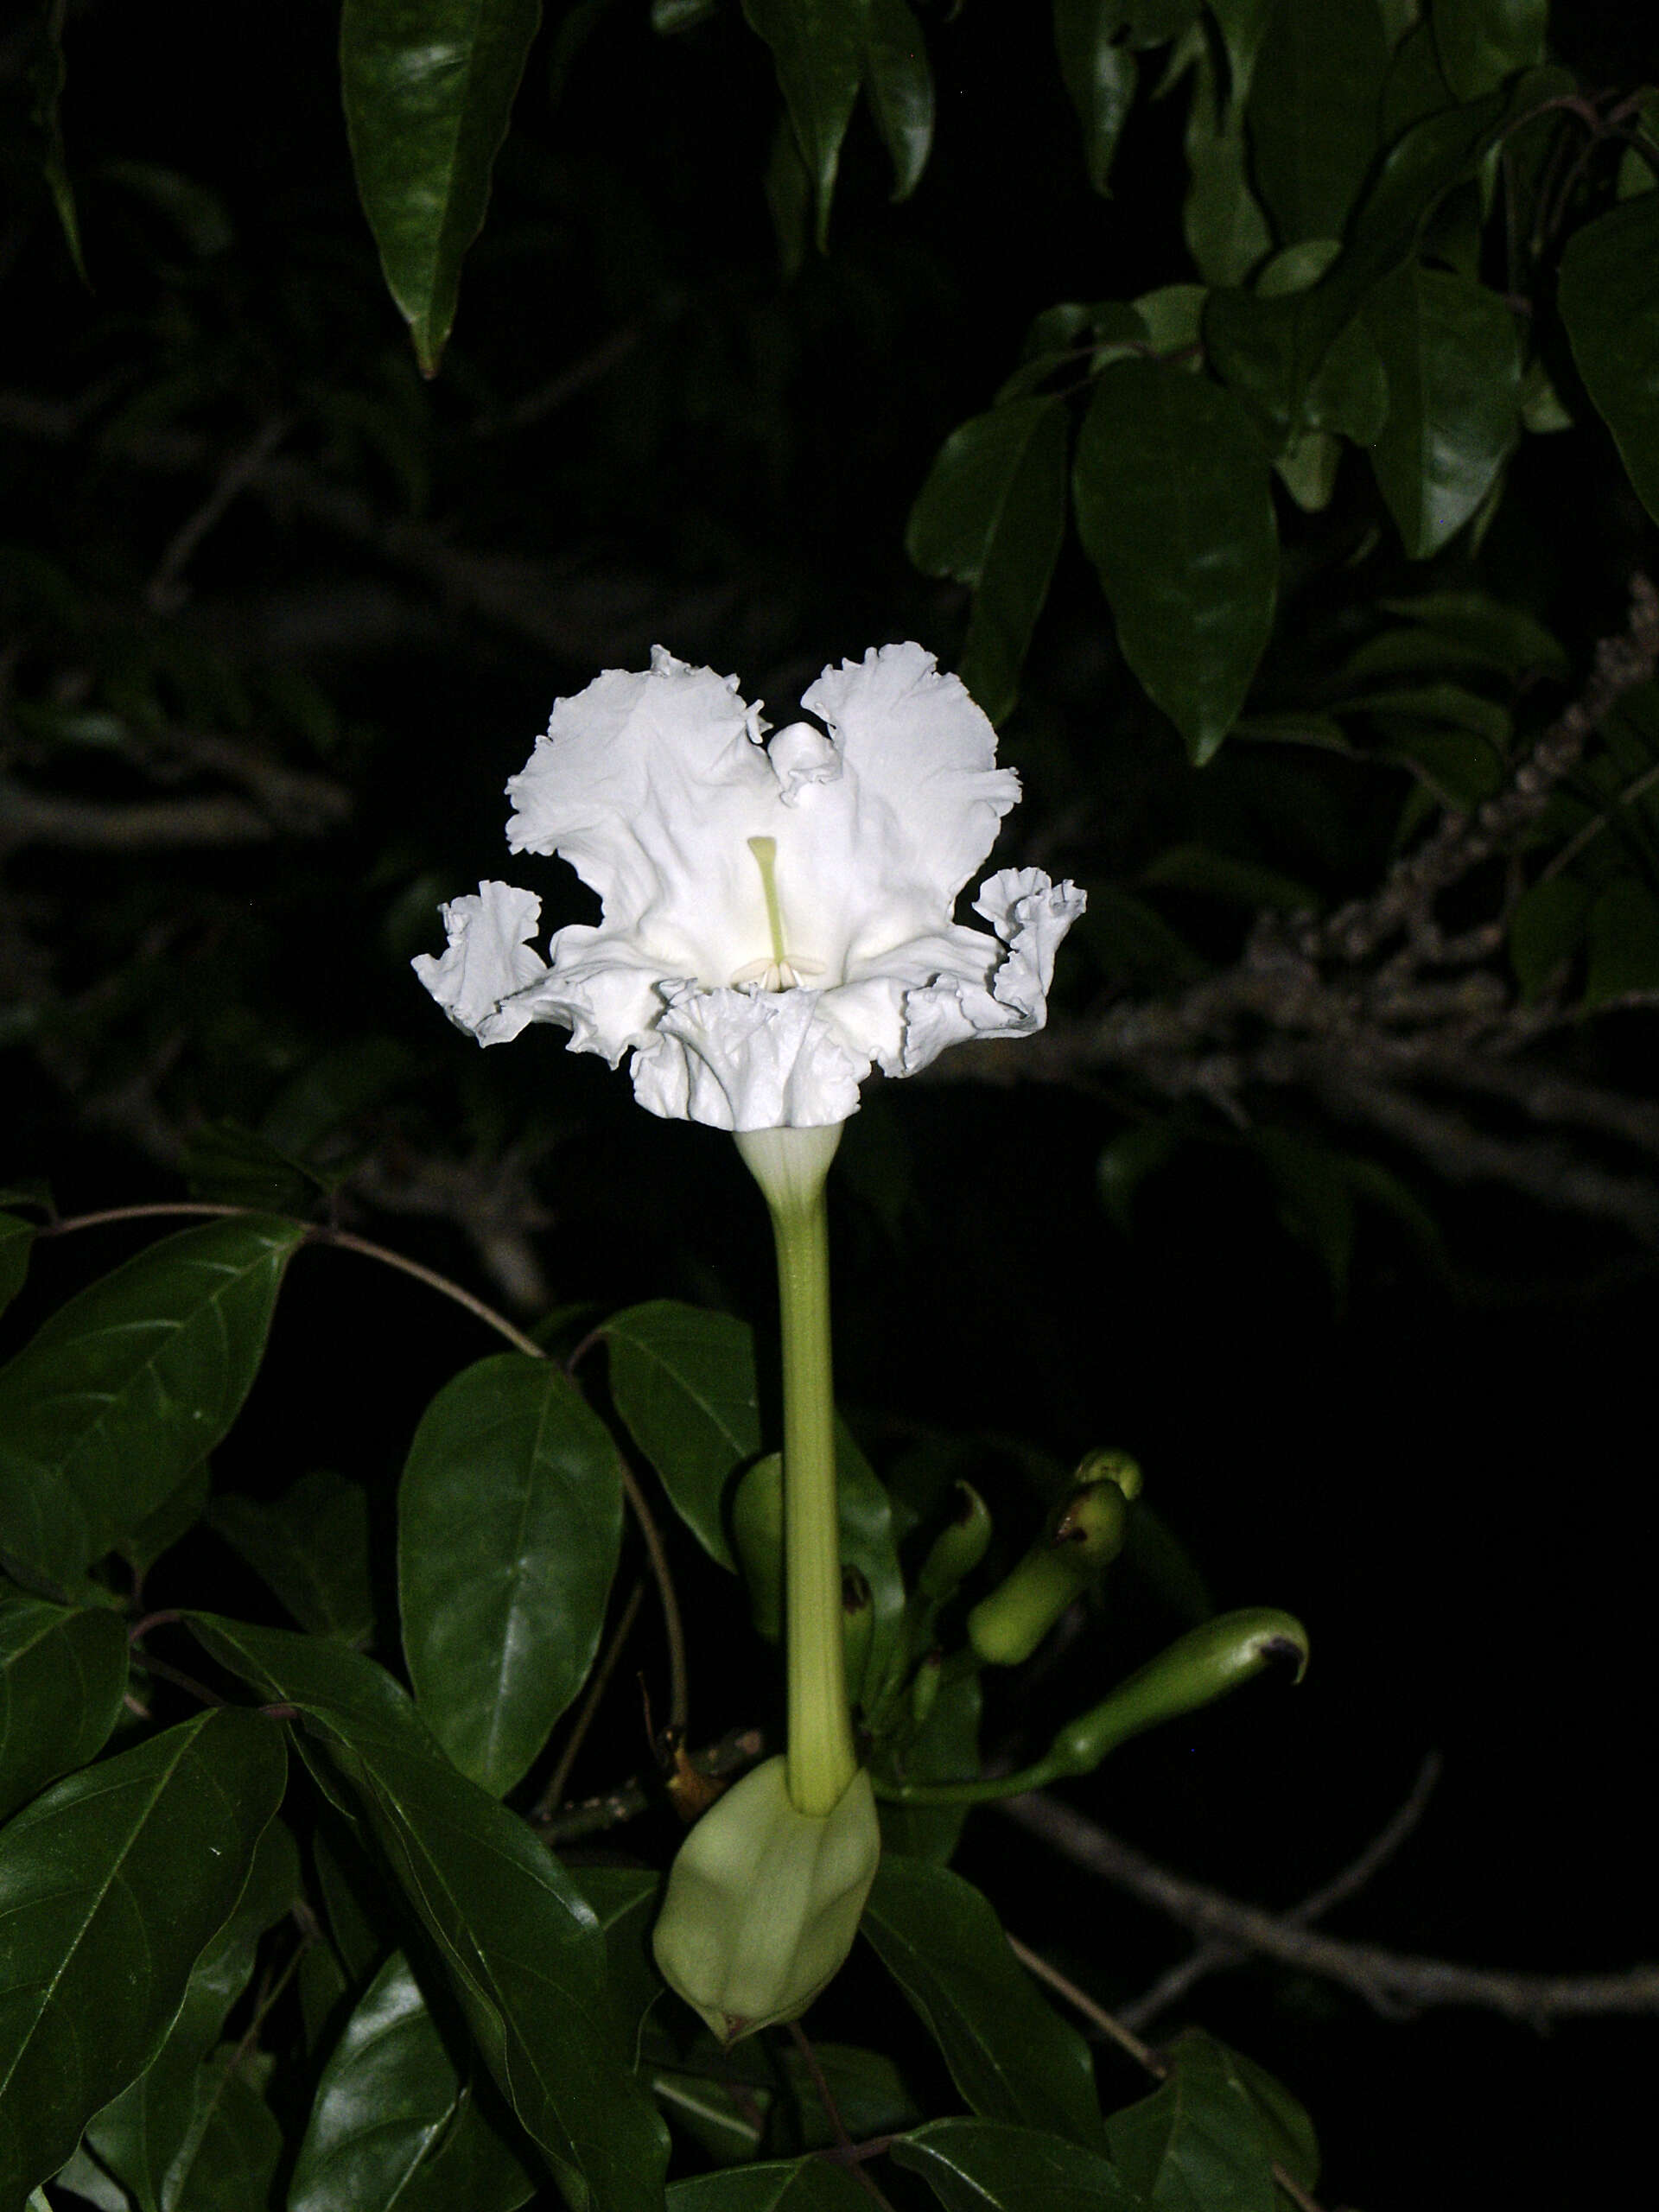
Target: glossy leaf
172	1520
865	1513
230	2157
1172	505
1480	42
792	2185
1449	349
683	1382
311	1549
1012	2058
626	1901
984	2165
1099	74
898	85
865	2087
1313	111
1225	229
509	1523
156	2131
62	1676
130	1385
817	50
991	515
946	1749
17	1237
428	86
1210	2136
110	1887
389	2110
518	1944
1609	298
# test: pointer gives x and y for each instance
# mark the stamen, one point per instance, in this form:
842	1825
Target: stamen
765	855
780	972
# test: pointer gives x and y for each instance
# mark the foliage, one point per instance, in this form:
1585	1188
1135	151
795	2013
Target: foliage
1263	394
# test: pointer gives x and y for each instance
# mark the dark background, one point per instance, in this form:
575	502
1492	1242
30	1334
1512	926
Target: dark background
1444	1465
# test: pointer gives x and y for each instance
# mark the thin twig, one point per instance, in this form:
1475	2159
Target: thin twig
1108	2023
846	2152
598	1682
1214	1953
1393	1982
1153	2061
592	1815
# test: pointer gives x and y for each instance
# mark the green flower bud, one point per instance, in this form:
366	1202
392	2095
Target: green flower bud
764	1902
1199	1667
958	1547
758	1539
1083	1535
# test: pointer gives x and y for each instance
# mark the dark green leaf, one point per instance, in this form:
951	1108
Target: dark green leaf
1449	349
1222	875
1099	76
1313	111
1624	940
389	2108
817	48
1546	930
173	1518
1226	231
1012	2058
865	2087
156	2124
899	88
235	1166
311	1548
62	1675
509	1523
16	1238
865	1513
1207	2139
1480	42
428	86
130	1386
82	2177
984	2165
624	1901
683	1382
1241	24
522	1951
1416	84
228	2159
111	1886
1173	507
991	515
796	2185
1609	296
946	1749
1268	349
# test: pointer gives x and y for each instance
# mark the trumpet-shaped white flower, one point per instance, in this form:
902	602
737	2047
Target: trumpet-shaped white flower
778	916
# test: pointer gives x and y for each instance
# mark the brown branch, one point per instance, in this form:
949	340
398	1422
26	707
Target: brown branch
734	1751
1392	1982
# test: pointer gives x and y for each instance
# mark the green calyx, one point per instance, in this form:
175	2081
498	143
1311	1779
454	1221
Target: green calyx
764	1901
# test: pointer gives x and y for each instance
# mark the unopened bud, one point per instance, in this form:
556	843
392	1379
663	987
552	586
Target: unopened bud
1084	1534
758	1539
764	1902
1197	1667
958	1547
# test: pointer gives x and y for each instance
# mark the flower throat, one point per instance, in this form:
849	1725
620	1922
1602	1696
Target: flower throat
780	972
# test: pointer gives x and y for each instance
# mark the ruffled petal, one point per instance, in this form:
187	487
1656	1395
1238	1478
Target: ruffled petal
488	961
747	1060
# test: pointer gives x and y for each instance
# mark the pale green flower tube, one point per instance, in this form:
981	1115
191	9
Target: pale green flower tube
765	1897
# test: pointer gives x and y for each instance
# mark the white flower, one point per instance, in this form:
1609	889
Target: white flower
777	915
